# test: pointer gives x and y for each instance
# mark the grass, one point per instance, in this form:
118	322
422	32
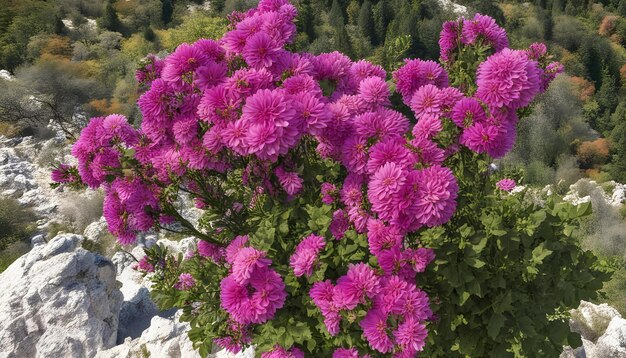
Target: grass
11	253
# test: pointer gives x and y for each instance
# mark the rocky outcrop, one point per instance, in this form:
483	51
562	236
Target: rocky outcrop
602	329
58	300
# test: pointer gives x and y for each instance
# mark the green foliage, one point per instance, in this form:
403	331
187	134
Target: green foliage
506	273
195	26
109	19
16	222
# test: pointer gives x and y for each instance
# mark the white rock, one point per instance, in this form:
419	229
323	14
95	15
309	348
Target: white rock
612	344
96	230
590	320
58	300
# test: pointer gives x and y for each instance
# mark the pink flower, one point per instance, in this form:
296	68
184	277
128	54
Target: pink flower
417	73
448	39
290	181
375	327
305	256
185	282
339	224
329	191
382	237
411	335
506	184
374	91
256	301
209	250
467	112
358	284
247	261
234	247
485	28
280	352
437	194
144	265
426	101
479	137
260	50
385	184
508	79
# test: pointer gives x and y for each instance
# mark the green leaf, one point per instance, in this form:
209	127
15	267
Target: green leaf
496	322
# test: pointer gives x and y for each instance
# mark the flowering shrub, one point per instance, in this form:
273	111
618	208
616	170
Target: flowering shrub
321	201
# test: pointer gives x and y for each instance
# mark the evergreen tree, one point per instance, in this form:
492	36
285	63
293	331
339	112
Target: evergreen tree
382	16
618	163
167	9
335	15
109	19
606	97
306	19
591	60
366	22
621	8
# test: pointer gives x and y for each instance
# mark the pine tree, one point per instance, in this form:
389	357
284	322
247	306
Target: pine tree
618	162
366	22
382	16
306	19
109	19
335	15
167	9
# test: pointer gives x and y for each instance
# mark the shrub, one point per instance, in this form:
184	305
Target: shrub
322	203
16	222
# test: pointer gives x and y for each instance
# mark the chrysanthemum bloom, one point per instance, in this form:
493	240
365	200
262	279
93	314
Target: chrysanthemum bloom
179	65
64	173
363	69
290	181
468	111
382	237
351	191
305	256
375	91
536	51
260	50
436	195
385	184
508	79
348	353
411	336
358	284
552	70
339	224
354	156
448	39
209	250
426	101
479	137
484	28
280	352
185	282
312	111
329	191
390	150
375	327
427	127
419	258
247	260
426	152
144	265
417	73
254	302
229	344
506	184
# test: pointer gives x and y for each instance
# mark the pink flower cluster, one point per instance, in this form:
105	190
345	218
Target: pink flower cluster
396	315
506	184
244	105
280	352
306	254
252	292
